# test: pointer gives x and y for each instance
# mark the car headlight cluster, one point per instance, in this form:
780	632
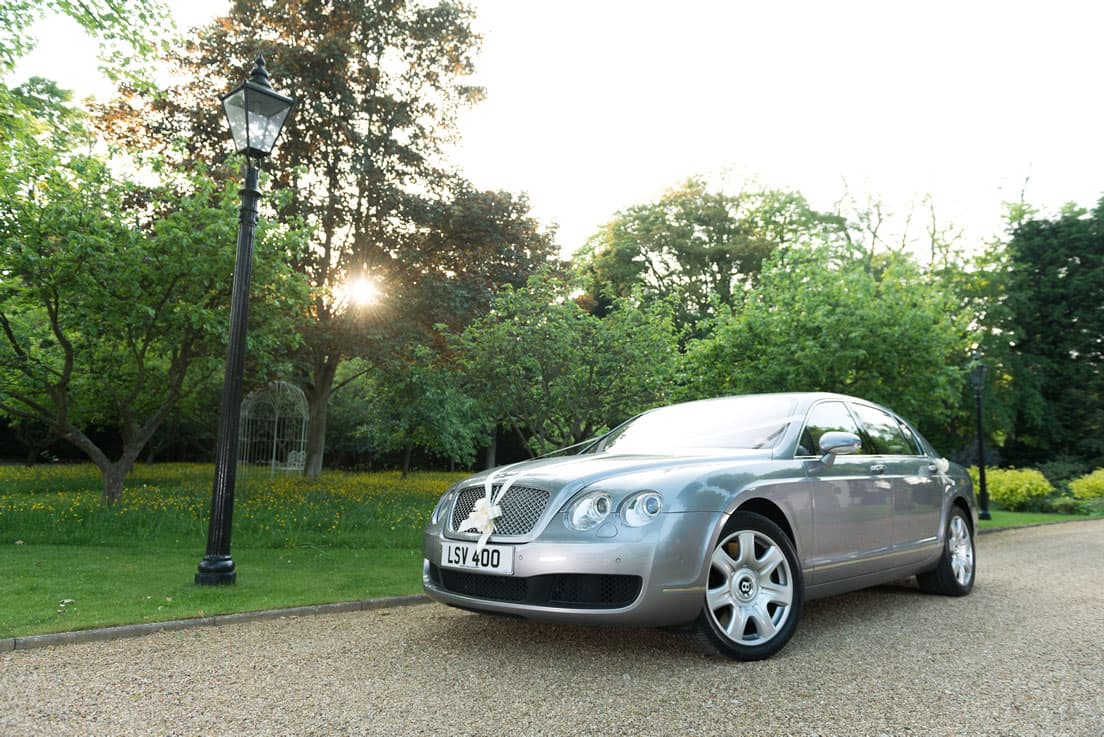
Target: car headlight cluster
589	510
640	509
442	505
595	507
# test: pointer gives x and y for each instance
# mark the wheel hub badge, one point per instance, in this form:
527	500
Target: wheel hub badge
744	587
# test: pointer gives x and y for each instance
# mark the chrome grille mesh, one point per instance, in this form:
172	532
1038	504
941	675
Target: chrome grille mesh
521	508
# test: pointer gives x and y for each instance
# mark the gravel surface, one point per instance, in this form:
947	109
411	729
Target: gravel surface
1023	655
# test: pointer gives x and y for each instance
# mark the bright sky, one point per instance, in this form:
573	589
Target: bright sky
597	105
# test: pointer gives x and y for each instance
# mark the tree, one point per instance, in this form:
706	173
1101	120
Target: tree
418	403
1049	326
699	248
874	228
109	298
128	31
475	243
556	374
824	322
380	84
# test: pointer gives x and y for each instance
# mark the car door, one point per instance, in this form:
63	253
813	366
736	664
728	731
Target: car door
852	503
917	494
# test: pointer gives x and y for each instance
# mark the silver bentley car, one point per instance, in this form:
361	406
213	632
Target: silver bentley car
718	517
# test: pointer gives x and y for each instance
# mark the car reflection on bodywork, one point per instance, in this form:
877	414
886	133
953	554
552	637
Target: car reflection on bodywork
719	517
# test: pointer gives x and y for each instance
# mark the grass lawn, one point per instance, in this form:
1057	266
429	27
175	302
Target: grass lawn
103	586
1001	519
69	563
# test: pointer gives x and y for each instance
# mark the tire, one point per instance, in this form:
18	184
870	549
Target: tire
954	575
754	591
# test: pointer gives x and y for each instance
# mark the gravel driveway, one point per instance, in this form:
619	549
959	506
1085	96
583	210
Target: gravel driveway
1023	655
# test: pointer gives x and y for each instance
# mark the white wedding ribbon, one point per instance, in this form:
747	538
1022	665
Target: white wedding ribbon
942	466
486	509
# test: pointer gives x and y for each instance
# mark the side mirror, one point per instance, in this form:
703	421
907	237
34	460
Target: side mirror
840	443
833	444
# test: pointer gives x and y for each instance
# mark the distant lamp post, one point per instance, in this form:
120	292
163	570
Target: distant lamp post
256	115
978	369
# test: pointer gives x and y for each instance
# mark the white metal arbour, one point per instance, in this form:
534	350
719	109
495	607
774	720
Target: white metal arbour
273	429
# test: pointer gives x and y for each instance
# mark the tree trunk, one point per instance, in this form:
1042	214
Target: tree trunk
115	473
113	478
408	452
318	402
492	450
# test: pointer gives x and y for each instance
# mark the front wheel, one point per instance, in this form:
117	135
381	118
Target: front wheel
954	575
753	593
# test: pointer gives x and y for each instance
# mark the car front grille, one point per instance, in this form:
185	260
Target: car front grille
522	507
579	590
499	588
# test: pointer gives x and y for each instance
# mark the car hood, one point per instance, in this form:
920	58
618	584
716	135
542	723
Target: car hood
571	473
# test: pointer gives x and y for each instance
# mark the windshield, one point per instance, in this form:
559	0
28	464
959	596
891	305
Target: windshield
740	423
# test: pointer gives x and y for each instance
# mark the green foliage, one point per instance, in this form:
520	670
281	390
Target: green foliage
475	243
1089	486
129	33
696	248
1063	469
1047	326
818	322
111	296
419	403
557	374
1016	490
380	85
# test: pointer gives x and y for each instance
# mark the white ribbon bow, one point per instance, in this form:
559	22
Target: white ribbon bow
486	509
942	466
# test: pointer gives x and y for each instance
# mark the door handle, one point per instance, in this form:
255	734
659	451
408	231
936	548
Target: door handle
877	468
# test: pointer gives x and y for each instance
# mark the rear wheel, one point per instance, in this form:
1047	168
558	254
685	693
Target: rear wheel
754	591
954	576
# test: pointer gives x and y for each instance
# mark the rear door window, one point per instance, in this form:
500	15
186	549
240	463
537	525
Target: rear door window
884	431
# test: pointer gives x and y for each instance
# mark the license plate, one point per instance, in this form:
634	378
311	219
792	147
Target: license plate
491	559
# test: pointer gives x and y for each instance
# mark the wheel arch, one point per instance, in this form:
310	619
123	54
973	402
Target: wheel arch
962	504
770	510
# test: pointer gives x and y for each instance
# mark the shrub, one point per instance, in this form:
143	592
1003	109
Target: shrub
1064	469
1089	486
1015	489
1067	505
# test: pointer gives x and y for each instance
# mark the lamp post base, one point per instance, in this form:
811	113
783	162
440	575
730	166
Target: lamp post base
216	570
984	514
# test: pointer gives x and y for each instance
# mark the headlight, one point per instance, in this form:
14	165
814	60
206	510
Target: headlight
589	510
442	505
642	508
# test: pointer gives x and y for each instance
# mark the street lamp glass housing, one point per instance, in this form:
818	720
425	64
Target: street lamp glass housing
256	114
978	372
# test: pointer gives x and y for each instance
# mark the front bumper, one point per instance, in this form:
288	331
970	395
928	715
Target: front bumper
651	576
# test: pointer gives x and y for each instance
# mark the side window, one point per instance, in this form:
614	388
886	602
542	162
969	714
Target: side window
914	442
824	417
885	431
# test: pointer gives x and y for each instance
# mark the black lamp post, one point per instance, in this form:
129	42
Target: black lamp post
256	115
978	370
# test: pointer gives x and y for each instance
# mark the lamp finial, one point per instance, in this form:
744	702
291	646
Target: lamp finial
259	75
